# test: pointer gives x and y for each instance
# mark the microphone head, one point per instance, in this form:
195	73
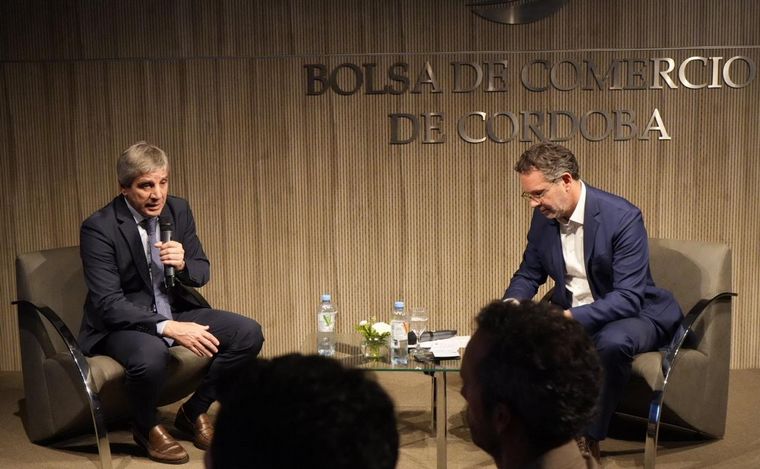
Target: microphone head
165	224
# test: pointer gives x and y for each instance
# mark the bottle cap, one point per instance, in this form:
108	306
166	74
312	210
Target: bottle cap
398	305
325	297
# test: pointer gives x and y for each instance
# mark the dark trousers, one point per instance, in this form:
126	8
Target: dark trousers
146	357
617	343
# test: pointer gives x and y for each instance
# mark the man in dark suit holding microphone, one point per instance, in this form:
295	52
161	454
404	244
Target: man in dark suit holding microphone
594	246
140	301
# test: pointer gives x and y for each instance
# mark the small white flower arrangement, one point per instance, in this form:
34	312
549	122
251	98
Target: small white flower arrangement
376	332
375	336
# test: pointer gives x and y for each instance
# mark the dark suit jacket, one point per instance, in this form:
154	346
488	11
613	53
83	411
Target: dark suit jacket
120	292
616	252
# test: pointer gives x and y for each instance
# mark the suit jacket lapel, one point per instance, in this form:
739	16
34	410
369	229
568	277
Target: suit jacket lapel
590	227
556	258
128	229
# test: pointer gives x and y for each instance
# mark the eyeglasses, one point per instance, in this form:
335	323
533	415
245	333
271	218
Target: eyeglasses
539	196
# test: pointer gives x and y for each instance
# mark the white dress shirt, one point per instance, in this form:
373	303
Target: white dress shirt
571	237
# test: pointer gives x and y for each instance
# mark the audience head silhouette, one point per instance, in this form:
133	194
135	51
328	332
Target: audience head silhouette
531	379
299	411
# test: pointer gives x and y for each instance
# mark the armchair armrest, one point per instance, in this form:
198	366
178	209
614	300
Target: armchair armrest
669	360
671	353
87	381
27	307
547	296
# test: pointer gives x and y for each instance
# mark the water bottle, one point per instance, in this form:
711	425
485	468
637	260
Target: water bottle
399	337
326	316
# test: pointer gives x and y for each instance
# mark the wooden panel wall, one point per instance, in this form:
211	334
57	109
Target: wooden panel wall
297	195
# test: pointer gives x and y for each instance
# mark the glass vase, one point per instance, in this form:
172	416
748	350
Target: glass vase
374	349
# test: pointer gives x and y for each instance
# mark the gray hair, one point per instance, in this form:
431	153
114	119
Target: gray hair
551	159
140	158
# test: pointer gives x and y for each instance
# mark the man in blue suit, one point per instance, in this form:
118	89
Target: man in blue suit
132	315
594	246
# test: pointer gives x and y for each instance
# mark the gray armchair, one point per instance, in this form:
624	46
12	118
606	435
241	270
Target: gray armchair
67	394
686	385
699	276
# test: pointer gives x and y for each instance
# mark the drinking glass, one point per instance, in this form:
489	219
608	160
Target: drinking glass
418	322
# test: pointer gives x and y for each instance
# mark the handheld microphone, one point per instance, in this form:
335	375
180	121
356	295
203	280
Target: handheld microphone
166	236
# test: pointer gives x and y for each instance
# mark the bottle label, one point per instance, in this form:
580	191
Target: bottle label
326	321
398	330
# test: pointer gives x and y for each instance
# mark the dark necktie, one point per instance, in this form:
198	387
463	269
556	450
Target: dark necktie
160	298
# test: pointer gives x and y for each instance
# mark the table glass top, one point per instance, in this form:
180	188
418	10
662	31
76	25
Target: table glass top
348	351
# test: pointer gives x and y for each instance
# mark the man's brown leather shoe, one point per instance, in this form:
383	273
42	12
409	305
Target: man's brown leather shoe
202	429
161	446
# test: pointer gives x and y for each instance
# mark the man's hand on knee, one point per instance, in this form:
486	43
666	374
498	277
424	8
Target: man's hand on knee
193	336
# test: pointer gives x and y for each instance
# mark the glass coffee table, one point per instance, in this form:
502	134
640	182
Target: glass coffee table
348	352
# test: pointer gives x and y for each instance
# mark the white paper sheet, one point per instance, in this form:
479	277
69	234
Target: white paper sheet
447	348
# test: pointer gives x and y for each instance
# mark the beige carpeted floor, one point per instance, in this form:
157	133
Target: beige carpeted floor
739	449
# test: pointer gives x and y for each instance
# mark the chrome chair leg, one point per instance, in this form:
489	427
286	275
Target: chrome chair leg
101	432
653	430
